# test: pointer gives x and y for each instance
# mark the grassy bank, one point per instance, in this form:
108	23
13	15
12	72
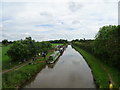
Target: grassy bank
6	60
17	78
100	75
55	44
0	58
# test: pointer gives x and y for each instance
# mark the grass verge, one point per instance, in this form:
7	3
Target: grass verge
6	60
55	44
100	75
17	78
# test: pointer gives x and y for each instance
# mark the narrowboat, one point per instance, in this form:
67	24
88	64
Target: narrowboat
53	57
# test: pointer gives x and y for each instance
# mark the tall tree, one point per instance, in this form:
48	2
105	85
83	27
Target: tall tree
5	42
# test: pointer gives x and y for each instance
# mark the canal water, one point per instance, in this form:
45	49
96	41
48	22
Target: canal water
70	71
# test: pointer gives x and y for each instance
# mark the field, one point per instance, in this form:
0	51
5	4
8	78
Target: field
6	61
56	44
99	70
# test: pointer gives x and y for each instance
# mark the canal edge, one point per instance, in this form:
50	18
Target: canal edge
94	79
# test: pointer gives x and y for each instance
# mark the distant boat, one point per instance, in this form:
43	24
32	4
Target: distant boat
53	57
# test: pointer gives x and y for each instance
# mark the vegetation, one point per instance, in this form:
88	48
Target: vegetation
106	47
6	42
6	61
26	49
103	60
85	44
108	38
55	44
0	67
16	78
61	41
13	54
102	47
99	73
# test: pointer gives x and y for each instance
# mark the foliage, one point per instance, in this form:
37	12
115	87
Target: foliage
84	44
17	78
58	41
28	48
5	42
45	46
106	45
6	60
18	51
100	75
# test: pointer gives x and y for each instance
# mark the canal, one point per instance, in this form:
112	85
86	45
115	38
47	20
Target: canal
70	71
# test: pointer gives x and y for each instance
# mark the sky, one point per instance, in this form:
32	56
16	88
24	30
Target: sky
55	19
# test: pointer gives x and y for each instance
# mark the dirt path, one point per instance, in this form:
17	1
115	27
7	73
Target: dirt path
16	67
21	65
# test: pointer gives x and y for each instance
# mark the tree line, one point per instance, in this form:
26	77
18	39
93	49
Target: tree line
59	41
6	42
25	49
106	45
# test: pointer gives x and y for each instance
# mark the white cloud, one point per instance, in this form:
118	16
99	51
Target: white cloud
55	19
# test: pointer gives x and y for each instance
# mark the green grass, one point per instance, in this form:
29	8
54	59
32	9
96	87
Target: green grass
55	44
115	74
0	58
101	77
6	60
19	77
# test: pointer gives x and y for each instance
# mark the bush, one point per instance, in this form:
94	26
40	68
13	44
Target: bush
28	48
106	45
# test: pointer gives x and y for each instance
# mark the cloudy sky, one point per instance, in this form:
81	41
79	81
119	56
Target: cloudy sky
55	19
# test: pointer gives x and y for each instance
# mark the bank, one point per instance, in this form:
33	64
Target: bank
101	77
18	77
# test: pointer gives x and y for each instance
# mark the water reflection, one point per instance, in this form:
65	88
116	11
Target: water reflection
69	71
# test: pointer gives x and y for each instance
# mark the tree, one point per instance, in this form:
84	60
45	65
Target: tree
26	49
5	42
107	39
18	51
45	46
106	45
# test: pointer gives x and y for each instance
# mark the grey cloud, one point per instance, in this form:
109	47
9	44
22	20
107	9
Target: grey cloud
46	14
16	36
75	6
70	19
75	22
